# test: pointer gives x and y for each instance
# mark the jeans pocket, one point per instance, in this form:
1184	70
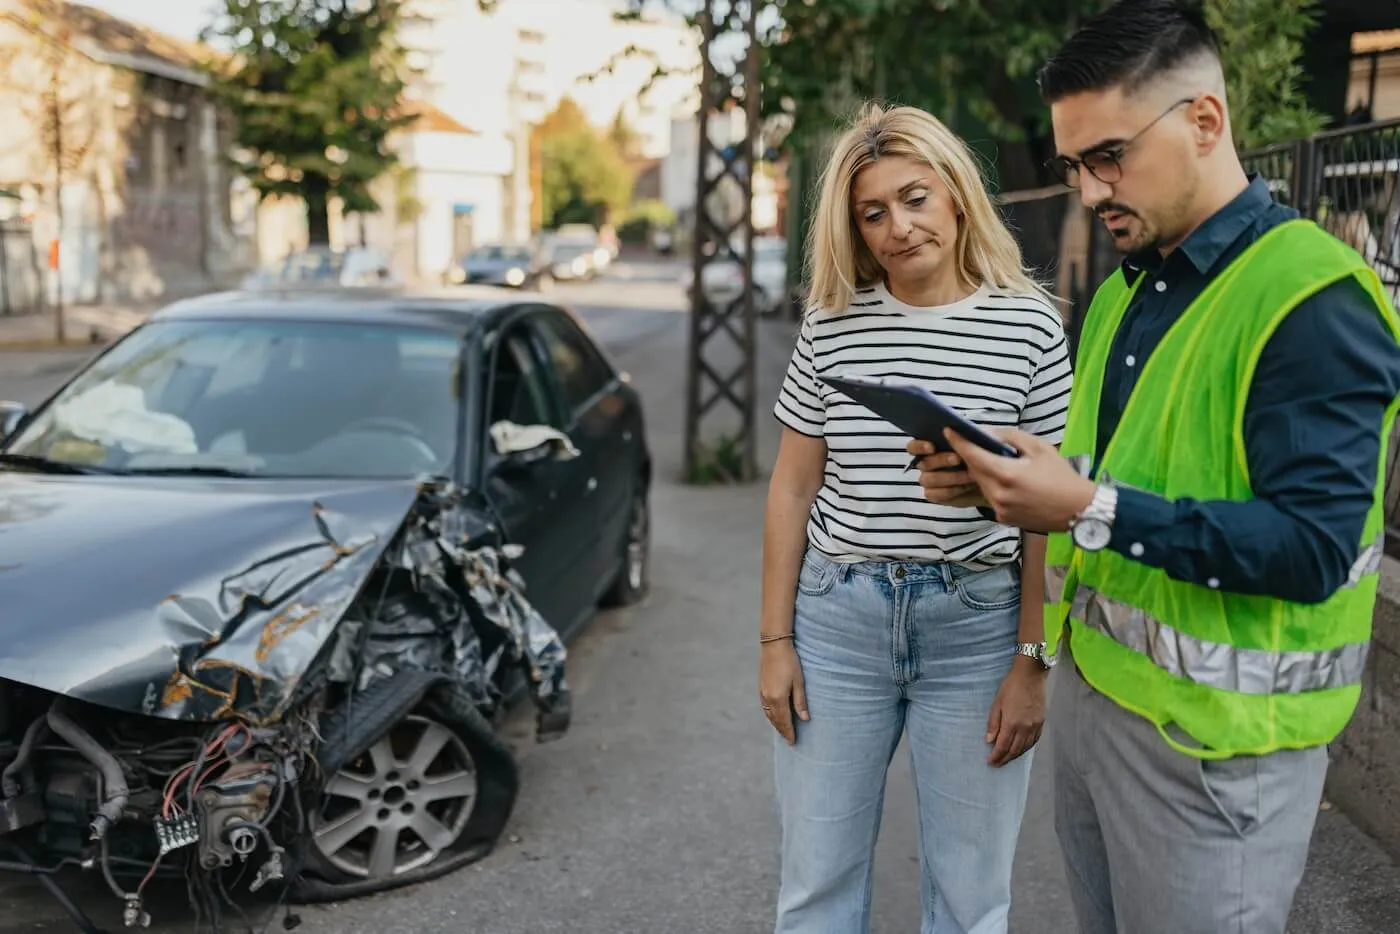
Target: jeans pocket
1232	785
994	589
818	576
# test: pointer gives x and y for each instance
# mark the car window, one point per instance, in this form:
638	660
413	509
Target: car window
520	390
582	371
283	398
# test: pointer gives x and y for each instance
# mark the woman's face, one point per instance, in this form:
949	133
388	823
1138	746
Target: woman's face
907	219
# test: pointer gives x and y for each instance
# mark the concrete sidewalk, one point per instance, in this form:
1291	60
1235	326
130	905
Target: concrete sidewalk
83	325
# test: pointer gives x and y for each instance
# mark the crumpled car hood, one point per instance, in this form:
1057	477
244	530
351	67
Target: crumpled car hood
182	598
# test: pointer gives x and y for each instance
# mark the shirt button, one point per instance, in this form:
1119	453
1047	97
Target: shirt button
1160	286
1136	549
1131	360
1213	583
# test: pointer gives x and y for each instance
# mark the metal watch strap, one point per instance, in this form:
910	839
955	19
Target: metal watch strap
1103	507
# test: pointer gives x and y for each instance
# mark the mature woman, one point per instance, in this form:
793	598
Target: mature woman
884	614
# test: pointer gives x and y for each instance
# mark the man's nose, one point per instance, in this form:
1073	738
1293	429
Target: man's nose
1093	192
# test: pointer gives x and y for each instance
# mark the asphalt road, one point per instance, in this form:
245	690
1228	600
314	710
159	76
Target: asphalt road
654	815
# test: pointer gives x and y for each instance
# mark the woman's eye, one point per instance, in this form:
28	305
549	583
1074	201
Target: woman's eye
873	216
917	200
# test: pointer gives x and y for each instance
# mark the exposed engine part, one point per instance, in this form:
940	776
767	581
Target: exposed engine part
21	811
226	812
113	779
176	833
9	779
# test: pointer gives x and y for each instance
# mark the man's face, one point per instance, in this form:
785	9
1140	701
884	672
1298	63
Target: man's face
1149	170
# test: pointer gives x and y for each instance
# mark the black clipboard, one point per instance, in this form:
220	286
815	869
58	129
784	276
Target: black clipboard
917	412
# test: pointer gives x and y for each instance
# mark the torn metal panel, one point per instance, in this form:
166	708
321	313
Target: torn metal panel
186	603
457	607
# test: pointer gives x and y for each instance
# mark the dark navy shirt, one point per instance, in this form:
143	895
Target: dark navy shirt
1311	425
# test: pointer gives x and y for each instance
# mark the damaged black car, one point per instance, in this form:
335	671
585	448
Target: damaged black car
274	566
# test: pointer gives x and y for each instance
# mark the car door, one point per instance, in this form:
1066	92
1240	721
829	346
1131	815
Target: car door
596	419
538	502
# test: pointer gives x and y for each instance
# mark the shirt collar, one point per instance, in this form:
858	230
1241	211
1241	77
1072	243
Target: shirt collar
1208	242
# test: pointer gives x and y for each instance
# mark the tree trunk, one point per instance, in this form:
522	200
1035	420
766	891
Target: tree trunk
318	224
316	193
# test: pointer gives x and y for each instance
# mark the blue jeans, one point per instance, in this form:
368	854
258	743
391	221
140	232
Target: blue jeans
886	646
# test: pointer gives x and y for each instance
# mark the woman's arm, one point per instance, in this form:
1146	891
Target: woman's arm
1018	713
1032	627
797	477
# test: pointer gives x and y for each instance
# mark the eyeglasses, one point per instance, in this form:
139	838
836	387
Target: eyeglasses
1105	164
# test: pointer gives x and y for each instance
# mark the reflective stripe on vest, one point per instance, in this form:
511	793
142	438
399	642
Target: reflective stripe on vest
1214	664
1055	575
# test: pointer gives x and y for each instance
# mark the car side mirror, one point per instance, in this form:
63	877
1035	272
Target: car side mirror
13	415
526	459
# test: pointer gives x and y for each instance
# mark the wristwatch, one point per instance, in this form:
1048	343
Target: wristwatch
1036	650
1092	528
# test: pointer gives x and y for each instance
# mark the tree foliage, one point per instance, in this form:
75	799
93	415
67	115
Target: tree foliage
584	178
1262	41
313	87
976	55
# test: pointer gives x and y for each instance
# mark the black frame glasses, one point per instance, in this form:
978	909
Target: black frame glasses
1105	163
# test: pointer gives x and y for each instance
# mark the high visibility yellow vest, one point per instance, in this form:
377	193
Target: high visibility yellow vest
1239	674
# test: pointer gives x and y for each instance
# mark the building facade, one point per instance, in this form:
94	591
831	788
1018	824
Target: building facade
109	126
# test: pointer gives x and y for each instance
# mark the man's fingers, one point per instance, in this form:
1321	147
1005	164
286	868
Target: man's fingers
1006	741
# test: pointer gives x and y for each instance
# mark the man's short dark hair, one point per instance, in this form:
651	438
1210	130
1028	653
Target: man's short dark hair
1127	46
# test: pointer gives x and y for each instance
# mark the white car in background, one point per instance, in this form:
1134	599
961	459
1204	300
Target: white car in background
355	267
723	276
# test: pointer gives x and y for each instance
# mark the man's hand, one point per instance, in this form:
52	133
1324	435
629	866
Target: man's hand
1038	491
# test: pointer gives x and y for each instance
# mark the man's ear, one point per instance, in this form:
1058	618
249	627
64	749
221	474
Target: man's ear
1210	120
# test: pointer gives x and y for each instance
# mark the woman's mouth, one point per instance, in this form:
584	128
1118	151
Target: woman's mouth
912	250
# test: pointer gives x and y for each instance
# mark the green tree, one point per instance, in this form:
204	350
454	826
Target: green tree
313	87
584	177
1261	43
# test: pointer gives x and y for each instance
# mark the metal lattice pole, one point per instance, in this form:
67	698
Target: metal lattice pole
720	390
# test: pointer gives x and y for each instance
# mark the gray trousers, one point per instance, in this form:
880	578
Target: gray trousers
1157	842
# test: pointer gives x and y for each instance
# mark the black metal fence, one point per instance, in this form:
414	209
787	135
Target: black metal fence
1347	180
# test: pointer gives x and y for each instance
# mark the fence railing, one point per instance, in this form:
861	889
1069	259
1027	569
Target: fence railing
1347	180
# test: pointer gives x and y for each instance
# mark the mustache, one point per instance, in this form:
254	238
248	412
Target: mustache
1113	207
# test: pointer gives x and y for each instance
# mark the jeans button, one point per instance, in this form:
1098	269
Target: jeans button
899	573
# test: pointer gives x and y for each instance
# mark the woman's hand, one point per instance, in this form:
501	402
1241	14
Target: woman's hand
1018	713
945	477
780	687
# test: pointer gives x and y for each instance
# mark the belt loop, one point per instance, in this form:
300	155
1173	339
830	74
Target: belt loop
945	569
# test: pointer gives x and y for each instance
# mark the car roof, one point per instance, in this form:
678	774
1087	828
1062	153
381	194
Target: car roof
462	308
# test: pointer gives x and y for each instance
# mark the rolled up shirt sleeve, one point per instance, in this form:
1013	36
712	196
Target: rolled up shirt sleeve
1312	431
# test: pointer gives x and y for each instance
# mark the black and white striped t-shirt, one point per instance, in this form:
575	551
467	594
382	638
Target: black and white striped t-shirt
1002	360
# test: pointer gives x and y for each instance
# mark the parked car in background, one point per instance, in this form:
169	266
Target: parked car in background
602	245
511	266
353	267
274	565
571	260
723	276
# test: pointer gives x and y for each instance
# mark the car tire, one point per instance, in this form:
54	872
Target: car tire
634	573
426	796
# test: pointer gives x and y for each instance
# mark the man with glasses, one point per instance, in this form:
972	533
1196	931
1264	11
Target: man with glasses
1215	507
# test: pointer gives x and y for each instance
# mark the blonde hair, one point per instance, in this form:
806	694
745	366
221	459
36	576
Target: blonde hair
838	261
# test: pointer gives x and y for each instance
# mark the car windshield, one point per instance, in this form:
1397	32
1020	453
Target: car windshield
270	398
496	253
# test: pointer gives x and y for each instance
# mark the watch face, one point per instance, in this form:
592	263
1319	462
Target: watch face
1092	534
